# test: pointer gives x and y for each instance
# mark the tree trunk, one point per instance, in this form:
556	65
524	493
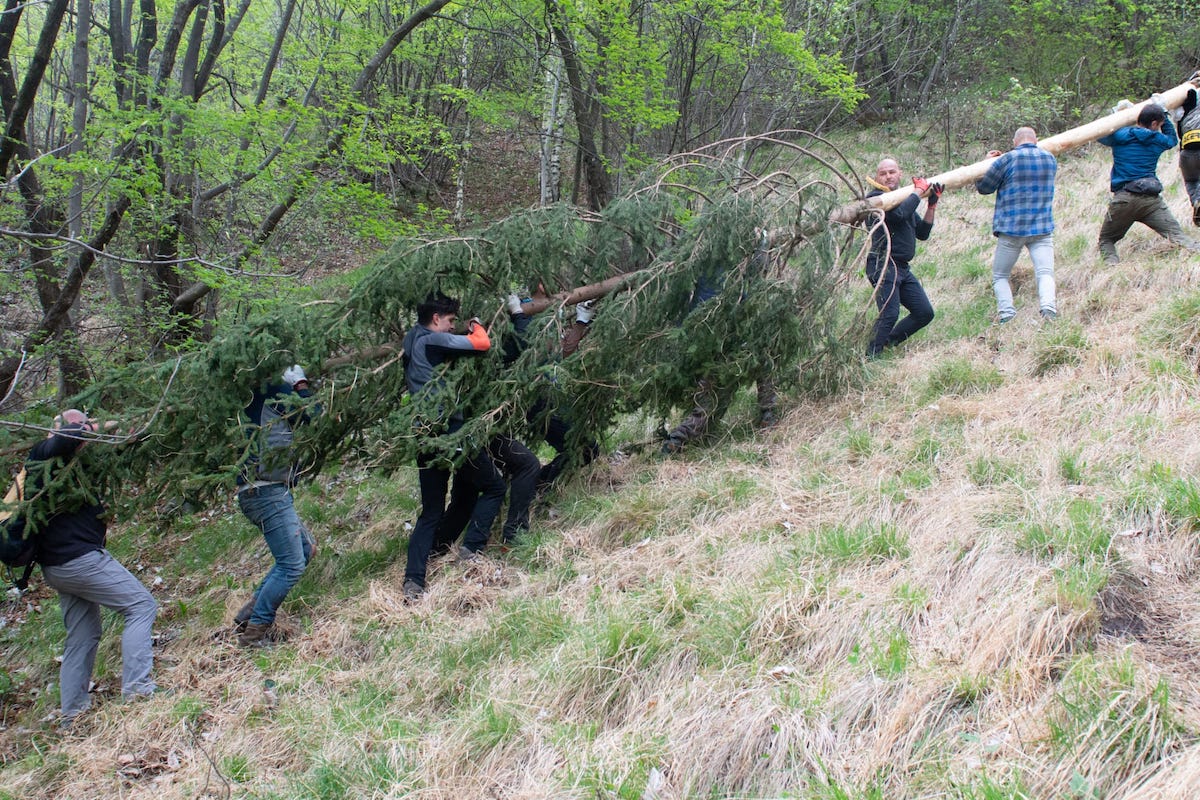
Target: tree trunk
599	184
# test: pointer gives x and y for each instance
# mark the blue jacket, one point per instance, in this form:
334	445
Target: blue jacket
1136	151
1024	181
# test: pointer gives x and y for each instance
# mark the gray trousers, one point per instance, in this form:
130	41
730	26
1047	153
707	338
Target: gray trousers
1126	208
84	584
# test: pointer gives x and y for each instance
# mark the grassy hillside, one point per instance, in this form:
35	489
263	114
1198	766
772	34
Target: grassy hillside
975	575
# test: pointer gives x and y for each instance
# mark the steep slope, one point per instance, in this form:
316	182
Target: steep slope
974	575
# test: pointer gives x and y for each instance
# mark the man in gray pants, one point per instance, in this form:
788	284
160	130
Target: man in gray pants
68	531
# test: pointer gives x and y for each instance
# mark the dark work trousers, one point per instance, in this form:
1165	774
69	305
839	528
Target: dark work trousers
1189	168
896	286
557	431
520	467
478	493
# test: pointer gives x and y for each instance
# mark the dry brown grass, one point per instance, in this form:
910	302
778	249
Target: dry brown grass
691	639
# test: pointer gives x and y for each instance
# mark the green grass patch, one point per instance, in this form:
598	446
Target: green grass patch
868	542
1111	722
956	376
1085	536
1076	586
988	470
1061	344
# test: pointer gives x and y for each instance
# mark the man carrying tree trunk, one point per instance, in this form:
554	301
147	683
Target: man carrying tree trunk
427	346
1137	192
265	497
1023	180
891	252
710	399
70	534
554	423
1189	151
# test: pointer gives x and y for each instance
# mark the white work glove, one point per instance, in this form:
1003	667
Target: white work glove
1176	113
1156	98
294	374
1121	106
513	303
585	311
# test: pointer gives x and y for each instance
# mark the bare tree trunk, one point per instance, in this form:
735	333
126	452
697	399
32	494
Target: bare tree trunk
460	178
550	161
599	184
18	113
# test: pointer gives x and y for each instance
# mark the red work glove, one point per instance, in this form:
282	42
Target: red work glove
921	184
935	193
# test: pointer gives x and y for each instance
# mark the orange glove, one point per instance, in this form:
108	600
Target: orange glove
921	184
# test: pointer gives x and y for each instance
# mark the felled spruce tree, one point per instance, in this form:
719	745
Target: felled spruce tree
779	269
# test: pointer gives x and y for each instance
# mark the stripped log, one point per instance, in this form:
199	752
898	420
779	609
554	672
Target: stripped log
1055	145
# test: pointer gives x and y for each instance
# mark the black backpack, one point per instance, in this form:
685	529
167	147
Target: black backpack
16	550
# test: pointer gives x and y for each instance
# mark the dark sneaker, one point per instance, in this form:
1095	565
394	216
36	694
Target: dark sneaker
1006	320
257	634
767	418
413	591
672	446
1196	215
1049	315
468	556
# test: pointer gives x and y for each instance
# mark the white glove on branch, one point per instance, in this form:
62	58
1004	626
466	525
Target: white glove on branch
585	311
1121	106
513	303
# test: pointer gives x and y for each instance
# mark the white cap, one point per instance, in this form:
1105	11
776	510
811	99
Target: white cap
294	374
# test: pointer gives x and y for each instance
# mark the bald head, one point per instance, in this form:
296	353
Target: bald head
71	416
1024	135
888	173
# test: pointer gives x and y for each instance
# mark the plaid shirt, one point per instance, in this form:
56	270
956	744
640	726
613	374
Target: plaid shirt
1024	181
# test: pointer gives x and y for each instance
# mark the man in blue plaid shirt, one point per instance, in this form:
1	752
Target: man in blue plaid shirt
1023	180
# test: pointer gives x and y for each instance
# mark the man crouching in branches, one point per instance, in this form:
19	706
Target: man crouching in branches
891	251
427	347
264	495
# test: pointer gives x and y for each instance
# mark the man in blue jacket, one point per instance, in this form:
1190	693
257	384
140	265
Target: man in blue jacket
893	246
1023	180
265	497
1137	192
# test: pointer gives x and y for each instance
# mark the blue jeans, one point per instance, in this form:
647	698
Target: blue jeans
896	286
271	509
85	584
1008	250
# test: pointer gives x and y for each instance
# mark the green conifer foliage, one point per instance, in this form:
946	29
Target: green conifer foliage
776	268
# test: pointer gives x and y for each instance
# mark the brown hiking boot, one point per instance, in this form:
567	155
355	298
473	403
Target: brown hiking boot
242	617
255	634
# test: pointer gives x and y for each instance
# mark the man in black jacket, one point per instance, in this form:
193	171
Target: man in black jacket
69	531
891	251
